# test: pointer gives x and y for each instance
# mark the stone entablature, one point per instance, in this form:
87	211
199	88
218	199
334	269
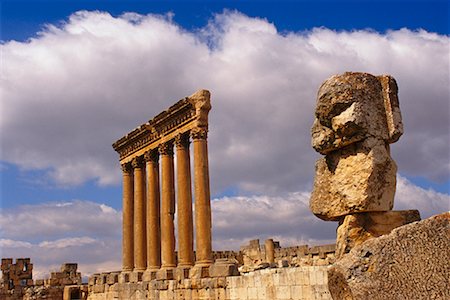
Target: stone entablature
188	113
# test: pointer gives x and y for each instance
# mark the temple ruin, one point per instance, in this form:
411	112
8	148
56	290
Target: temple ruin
149	203
379	253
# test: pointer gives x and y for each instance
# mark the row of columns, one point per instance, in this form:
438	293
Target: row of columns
149	206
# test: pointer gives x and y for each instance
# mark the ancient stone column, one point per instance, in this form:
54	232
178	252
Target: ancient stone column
153	211
202	198
127	227
140	251
184	203
167	206
270	251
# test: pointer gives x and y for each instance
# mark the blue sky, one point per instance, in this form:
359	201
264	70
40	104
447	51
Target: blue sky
88	78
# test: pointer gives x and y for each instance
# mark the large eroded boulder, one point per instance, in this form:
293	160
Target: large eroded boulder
412	262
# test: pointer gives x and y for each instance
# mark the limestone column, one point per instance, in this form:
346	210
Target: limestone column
167	206
202	198
270	251
140	251
153	211
184	202
127	226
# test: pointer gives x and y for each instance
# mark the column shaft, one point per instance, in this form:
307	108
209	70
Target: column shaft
184	203
167	206
127	226
140	251
153	211
202	198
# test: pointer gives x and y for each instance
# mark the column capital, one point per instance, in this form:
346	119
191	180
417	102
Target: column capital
126	167
182	140
199	133
138	162
166	148
151	156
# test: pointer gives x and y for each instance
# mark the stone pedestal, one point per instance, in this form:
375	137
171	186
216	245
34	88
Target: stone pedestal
167	206
140	250
223	267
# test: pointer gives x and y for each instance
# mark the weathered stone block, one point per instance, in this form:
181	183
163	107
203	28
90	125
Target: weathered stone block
165	274
199	271
124	277
353	180
136	276
112	278
223	267
357	116
149	275
357	228
411	262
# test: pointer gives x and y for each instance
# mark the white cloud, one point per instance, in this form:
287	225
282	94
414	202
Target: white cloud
427	201
73	90
59	220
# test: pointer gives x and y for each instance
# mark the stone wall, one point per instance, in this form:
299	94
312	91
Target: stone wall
305	283
255	256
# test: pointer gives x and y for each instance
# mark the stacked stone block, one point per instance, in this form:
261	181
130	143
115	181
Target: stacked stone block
296	283
68	275
357	117
18	275
256	256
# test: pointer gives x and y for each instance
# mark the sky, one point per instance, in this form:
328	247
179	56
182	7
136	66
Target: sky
78	75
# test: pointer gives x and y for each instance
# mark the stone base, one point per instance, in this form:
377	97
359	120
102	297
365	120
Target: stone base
149	275
112	278
357	228
136	276
182	272
199	271
123	277
165	274
223	267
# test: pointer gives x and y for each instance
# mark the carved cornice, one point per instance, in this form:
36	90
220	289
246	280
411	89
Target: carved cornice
199	133
182	140
138	162
166	148
152	156
127	168
184	115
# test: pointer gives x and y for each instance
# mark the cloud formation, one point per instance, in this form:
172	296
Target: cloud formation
94	241
74	89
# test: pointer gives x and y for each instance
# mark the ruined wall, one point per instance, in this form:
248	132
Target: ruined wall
305	283
17	282
256	256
